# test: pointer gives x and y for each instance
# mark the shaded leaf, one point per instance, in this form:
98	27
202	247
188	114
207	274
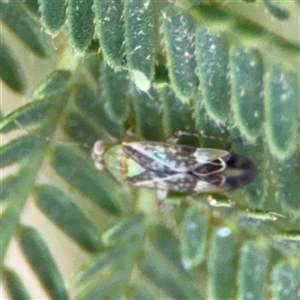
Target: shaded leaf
148	115
90	103
177	115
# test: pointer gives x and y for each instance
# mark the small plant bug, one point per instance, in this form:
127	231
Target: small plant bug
173	167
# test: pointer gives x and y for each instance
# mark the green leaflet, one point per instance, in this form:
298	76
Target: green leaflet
147	114
29	114
127	230
33	5
95	185
8	186
167	277
110	30
112	287
15	286
176	114
80	18
247	90
18	149
194	234
115	84
90	103
276	10
253	271
118	256
138	292
11	70
213	68
42	262
27	28
79	129
140	41
53	14
54	84
178	39
222	264
167	244
60	209
287	179
285	281
282	112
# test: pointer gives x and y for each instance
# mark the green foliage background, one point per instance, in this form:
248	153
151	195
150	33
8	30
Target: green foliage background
228	70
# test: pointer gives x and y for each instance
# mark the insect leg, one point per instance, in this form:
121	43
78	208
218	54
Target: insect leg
161	196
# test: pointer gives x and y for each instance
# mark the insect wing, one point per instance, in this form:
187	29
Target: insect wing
180	158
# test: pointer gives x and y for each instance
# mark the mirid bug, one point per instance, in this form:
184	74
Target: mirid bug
174	167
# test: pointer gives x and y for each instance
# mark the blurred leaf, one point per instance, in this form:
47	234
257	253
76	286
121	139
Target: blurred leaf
54	84
90	182
28	114
252	271
19	149
40	259
277	11
194	233
222	263
285	281
59	208
8	185
15	286
15	15
11	70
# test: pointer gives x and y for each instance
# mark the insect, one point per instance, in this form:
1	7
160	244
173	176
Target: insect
174	167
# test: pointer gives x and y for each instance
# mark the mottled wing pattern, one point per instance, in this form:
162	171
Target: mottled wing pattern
179	158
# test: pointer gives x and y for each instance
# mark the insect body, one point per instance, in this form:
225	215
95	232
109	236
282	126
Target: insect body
173	167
